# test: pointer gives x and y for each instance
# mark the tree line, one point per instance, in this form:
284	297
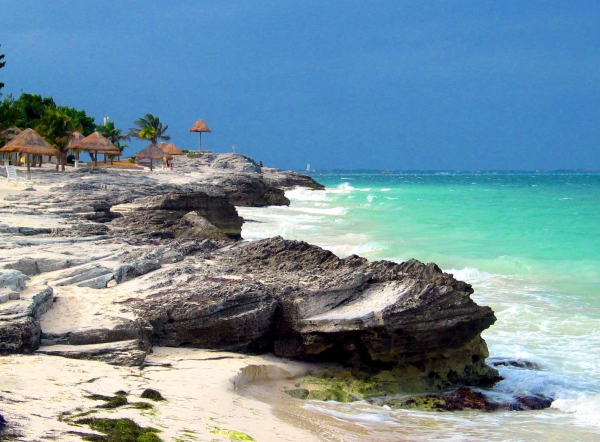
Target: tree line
56	124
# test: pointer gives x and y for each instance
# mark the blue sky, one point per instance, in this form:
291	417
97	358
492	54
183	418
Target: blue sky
444	85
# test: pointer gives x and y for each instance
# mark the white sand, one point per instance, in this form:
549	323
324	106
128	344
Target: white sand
200	389
204	390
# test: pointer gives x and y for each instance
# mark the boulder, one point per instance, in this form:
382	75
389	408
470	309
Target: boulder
411	320
195	226
124	353
132	270
289	179
13	280
236	162
20	321
161	215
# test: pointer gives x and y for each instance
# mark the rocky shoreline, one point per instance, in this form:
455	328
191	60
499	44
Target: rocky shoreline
104	265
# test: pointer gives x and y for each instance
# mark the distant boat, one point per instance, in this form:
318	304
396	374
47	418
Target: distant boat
308	167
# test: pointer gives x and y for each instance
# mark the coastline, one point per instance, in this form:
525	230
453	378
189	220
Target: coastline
198	385
110	313
545	303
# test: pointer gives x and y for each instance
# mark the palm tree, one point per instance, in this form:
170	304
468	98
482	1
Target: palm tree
114	135
56	127
149	128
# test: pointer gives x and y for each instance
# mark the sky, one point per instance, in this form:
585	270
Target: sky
394	85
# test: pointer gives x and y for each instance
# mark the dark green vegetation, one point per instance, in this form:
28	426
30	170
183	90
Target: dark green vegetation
118	430
386	388
112	134
56	123
149	393
232	434
150	128
115	430
120	400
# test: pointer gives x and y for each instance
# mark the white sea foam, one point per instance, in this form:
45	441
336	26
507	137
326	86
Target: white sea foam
337	211
351	417
471	275
385	190
368	247
585	406
342	188
302	194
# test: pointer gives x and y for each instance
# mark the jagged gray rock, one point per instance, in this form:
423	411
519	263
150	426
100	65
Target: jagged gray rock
13	280
163	214
301	301
19	320
125	353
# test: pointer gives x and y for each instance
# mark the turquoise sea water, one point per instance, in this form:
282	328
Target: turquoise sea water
529	244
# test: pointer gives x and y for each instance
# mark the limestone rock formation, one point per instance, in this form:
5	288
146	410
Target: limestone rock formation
165	215
19	320
301	301
236	162
289	179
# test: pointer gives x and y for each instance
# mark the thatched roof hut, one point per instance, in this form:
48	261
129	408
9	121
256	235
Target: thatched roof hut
74	139
151	152
30	142
200	126
171	149
98	144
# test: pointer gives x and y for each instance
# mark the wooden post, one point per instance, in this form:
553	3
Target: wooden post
96	158
28	170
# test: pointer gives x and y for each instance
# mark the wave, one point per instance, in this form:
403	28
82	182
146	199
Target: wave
302	194
337	211
584	406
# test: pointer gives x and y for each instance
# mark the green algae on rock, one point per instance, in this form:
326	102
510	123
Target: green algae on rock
233	434
119	430
154	395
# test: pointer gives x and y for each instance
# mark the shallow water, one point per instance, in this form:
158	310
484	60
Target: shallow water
529	244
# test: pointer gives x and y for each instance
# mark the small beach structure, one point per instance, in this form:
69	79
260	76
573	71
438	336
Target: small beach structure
29	142
98	144
200	127
172	150
74	140
151	152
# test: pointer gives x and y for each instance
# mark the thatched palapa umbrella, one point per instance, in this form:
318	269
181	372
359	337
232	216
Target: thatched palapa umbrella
74	140
98	144
9	133
29	142
172	150
200	127
151	152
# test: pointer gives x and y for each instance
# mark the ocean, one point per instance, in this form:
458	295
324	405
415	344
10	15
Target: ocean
529	243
